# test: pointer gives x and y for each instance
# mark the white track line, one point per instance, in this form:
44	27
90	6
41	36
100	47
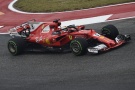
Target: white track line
15	10
64	23
1	27
86	21
120	19
4	33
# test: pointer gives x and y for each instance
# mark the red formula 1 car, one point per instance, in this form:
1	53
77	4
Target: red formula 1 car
50	36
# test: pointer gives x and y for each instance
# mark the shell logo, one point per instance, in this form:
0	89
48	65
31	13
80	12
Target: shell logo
47	41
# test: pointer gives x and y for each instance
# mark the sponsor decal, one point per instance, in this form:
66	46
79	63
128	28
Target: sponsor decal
96	34
38	39
47	41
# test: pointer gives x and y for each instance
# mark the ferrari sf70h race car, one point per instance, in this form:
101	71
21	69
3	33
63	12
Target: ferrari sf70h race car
51	36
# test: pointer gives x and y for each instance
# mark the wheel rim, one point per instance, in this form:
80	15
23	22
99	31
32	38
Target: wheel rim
12	47
75	47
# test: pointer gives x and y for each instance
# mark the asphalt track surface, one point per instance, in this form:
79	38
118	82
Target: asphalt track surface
113	70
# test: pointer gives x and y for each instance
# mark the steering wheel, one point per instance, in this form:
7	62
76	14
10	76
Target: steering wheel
72	28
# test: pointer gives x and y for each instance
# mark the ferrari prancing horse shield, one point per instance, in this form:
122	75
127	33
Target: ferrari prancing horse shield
70	37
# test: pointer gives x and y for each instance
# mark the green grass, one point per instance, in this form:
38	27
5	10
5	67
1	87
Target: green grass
62	5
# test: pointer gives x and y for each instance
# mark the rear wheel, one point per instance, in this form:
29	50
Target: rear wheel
16	45
110	31
79	46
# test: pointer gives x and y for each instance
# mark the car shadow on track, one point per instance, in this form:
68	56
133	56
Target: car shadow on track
45	52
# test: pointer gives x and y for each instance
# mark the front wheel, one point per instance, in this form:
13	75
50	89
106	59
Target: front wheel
79	46
110	31
16	45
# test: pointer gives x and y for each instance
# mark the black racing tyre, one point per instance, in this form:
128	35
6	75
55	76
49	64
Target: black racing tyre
16	45
79	46
110	31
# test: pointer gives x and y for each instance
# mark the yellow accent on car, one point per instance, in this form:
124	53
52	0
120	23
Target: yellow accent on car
70	37
102	37
43	26
47	41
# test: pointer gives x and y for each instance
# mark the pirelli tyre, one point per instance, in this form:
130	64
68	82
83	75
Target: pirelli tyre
110	31
16	45
79	46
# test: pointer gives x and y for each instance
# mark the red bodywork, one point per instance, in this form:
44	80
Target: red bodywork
45	34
